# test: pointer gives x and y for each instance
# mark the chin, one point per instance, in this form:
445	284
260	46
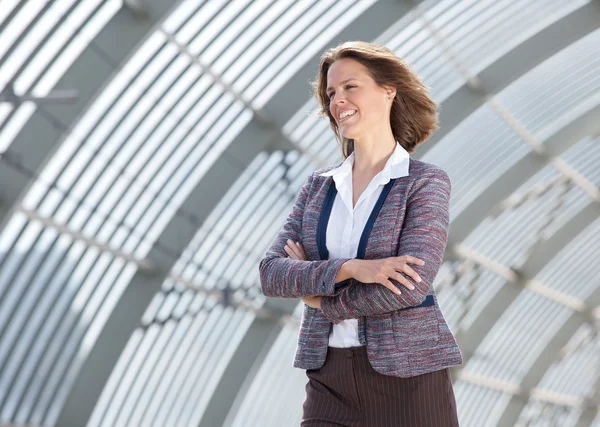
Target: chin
349	133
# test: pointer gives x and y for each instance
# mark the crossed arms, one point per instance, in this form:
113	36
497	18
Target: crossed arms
424	235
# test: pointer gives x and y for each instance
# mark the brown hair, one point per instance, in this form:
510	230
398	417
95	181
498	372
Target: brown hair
413	116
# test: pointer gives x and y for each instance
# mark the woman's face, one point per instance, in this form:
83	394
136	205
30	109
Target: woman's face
356	102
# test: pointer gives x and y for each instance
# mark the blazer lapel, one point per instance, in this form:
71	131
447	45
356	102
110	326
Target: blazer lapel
324	220
387	226
321	237
364	238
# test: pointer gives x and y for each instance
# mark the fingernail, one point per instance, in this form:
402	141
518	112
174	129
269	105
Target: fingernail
298	243
411	287
419	279
398	292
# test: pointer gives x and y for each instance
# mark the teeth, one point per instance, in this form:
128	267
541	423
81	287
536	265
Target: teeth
346	114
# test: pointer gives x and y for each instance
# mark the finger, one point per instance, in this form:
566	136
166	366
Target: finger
290	252
309	301
411	260
292	248
391	287
398	277
412	273
301	250
403	281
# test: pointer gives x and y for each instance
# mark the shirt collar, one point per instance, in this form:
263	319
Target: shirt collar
395	167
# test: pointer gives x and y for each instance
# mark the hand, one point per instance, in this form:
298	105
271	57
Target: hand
295	250
314	302
381	270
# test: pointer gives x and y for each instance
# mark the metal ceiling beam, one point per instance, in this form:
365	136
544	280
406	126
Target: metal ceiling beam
516	63
545	359
8	95
470	339
128	311
49	124
506	184
89	241
490	314
589	415
500	189
517	391
245	362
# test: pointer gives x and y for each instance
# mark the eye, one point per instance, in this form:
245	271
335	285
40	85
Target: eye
331	94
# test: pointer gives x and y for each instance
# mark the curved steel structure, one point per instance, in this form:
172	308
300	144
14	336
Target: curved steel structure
133	216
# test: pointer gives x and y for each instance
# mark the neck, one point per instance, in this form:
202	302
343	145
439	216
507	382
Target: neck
372	152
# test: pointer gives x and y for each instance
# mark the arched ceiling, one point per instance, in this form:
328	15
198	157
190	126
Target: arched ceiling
134	214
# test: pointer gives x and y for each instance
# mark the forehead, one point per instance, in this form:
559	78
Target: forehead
345	68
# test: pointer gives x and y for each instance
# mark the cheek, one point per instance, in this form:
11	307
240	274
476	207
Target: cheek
332	118
375	108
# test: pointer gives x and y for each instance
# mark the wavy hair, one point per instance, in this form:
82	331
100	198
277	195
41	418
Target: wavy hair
414	115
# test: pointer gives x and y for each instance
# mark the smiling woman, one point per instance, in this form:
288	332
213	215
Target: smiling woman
362	247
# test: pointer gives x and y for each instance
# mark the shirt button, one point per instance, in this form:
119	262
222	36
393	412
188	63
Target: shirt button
349	353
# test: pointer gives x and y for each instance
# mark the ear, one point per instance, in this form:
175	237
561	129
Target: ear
390	91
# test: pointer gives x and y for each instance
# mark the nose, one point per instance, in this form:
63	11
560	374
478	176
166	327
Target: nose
338	102
338	99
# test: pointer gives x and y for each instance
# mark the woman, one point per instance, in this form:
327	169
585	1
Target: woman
362	246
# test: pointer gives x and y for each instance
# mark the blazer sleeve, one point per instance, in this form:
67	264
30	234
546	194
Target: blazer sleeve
424	235
283	277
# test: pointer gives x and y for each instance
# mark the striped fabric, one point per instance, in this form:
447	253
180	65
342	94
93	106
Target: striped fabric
346	391
402	340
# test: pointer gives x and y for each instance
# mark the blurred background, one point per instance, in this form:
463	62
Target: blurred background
151	149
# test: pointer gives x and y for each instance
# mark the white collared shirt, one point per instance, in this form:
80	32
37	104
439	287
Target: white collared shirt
346	224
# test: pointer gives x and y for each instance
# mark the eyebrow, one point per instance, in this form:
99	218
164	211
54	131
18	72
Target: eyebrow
345	81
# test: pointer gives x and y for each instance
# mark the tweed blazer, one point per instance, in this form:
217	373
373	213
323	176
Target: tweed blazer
405	335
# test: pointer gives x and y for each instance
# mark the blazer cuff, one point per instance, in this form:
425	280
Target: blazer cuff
327	285
330	311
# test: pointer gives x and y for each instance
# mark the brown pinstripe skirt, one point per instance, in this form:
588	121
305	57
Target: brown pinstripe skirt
347	391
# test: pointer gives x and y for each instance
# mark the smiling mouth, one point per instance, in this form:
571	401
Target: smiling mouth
346	115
